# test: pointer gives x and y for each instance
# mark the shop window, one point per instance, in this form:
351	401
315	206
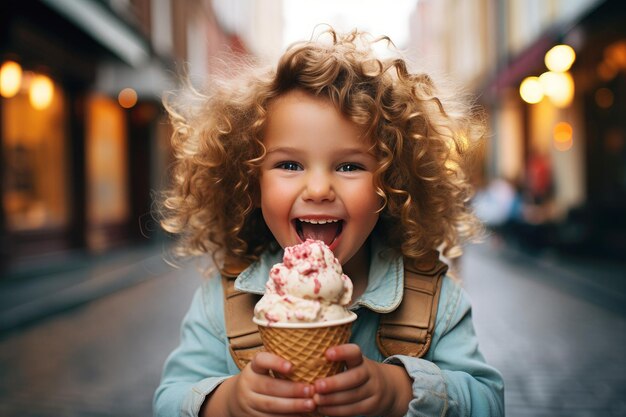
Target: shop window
35	165
107	173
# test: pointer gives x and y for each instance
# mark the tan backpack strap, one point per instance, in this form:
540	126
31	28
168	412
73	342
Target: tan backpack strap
408	329
243	335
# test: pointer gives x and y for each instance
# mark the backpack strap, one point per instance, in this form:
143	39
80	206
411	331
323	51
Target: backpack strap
405	331
243	335
409	328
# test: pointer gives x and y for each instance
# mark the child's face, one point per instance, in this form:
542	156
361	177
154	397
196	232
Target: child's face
318	170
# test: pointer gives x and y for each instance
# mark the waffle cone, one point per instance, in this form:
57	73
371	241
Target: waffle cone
305	347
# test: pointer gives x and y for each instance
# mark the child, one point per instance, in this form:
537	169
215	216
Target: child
340	146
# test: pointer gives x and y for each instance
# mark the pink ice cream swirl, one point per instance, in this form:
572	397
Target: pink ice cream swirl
307	287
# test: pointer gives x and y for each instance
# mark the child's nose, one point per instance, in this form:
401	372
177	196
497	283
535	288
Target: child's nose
319	187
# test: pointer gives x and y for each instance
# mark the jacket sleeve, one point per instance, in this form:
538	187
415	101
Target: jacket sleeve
200	362
453	379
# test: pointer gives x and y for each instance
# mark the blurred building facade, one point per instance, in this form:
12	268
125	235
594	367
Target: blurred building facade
559	139
84	138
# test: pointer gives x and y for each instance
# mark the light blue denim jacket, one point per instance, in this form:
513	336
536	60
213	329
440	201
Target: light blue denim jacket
451	380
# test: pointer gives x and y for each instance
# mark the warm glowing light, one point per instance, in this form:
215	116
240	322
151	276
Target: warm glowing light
560	58
563	136
531	90
41	92
606	71
615	54
563	132
127	98
550	82
10	79
558	86
604	98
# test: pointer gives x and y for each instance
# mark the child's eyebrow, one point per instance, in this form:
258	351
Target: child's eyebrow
283	149
356	153
341	152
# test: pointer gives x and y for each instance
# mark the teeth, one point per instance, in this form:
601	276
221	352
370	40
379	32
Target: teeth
318	221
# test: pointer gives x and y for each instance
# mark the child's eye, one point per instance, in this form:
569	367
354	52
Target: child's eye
348	167
289	166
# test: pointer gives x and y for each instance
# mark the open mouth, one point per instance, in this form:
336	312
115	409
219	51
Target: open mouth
326	230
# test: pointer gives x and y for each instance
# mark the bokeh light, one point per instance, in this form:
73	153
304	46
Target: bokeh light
558	86
604	98
127	98
563	136
615	54
560	58
41	92
606	71
10	79
531	90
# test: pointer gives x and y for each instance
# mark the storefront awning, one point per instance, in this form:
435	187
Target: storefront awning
104	27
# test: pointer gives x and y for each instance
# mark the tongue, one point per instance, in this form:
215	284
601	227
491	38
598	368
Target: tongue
324	232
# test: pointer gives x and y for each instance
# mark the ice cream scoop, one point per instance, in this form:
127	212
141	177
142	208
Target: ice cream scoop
309	286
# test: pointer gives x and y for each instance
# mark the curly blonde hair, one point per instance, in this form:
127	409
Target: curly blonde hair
422	142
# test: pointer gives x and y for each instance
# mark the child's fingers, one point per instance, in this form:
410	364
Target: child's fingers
349	396
273	405
286	389
348	380
263	362
349	353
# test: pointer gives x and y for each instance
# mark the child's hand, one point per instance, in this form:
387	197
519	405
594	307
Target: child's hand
256	393
365	388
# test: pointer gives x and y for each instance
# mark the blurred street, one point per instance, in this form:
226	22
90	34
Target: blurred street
555	331
101	359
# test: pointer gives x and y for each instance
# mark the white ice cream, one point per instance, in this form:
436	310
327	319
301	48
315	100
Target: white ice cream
307	287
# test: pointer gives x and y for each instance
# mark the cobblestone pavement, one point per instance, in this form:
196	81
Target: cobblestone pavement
102	359
561	354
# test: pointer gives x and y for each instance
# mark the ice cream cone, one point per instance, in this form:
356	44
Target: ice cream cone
304	345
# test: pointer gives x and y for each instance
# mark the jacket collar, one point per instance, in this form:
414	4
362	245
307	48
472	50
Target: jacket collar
384	286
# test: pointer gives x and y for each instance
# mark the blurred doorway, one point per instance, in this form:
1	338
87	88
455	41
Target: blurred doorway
35	162
107	173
